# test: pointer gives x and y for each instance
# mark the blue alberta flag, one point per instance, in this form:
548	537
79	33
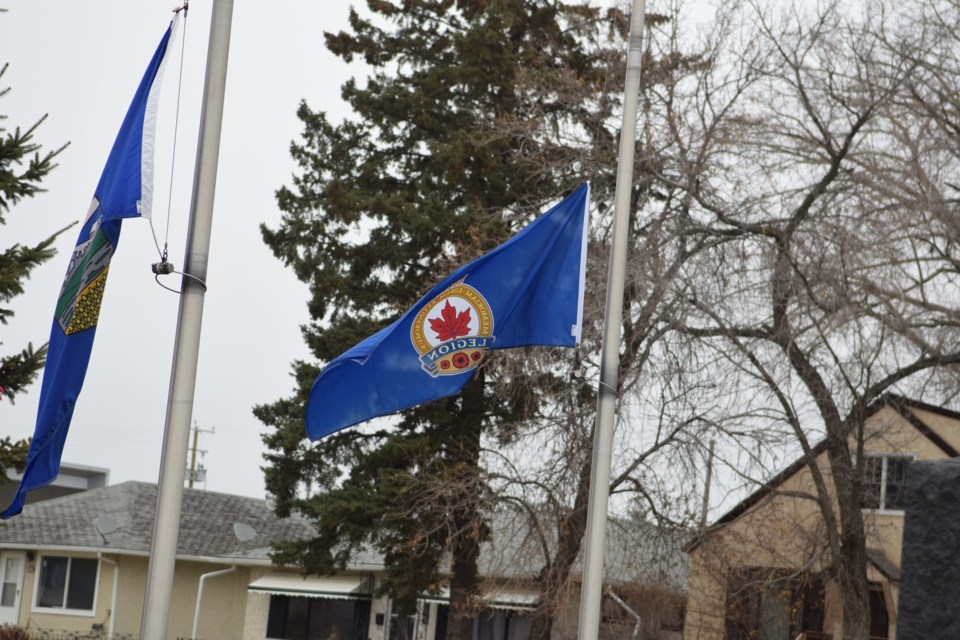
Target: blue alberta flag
124	191
527	291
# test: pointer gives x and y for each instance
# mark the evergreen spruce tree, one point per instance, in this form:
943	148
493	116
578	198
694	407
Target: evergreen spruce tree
434	168
22	169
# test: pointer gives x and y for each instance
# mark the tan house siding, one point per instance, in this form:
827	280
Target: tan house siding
222	613
257	614
132	581
943	425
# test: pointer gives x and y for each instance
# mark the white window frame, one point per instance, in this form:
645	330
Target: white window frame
58	611
885	456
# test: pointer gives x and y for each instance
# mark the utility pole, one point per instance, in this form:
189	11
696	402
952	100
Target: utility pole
197	474
706	489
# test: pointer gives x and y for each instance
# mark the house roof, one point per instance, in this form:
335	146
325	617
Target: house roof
899	403
72	478
885	565
636	552
206	523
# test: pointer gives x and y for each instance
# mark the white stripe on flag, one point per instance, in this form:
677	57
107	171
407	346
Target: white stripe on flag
149	140
578	328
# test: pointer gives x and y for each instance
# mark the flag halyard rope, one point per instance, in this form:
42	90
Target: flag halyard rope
164	267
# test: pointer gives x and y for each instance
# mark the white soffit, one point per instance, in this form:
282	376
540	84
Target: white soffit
332	587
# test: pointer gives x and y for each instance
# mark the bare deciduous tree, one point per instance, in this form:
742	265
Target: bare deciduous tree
831	279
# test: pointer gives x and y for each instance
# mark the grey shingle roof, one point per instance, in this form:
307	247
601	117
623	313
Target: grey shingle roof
206	522
884	564
635	552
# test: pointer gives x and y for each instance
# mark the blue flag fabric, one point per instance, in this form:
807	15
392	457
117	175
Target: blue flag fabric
124	191
527	291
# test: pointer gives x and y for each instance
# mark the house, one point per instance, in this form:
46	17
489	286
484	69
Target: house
72	478
756	572
76	566
60	573
644	580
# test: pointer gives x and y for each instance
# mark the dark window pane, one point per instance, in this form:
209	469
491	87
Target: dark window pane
775	611
872	482
277	620
896	475
361	619
333	619
53	579
673	618
743	605
401	627
485	627
879	620
83	583
341	618
298	616
519	627
443	617
812	612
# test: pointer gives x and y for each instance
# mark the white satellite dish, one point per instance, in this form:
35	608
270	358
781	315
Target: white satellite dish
105	525
244	532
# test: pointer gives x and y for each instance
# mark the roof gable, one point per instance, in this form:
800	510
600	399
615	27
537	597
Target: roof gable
900	404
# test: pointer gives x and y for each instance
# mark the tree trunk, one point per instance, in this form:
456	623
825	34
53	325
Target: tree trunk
463	583
554	576
850	565
468	530
856	594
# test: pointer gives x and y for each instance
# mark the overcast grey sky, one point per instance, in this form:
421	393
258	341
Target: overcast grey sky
80	62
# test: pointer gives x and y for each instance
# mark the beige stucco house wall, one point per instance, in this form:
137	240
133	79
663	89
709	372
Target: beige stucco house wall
229	611
223	611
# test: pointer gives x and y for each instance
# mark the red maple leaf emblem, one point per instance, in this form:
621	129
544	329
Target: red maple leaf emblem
451	324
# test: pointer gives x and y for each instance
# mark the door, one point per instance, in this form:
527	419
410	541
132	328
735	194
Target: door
11	585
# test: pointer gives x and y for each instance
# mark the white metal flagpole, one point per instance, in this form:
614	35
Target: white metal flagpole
183	375
591	593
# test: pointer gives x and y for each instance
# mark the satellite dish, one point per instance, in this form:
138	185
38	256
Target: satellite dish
244	532
105	525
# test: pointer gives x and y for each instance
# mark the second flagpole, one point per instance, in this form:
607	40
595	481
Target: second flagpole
183	375
591	594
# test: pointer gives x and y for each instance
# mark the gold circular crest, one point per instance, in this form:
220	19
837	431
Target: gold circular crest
453	332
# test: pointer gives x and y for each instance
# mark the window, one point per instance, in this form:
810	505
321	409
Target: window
295	618
768	604
883	482
10	584
402	627
67	583
879	619
493	624
673	618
